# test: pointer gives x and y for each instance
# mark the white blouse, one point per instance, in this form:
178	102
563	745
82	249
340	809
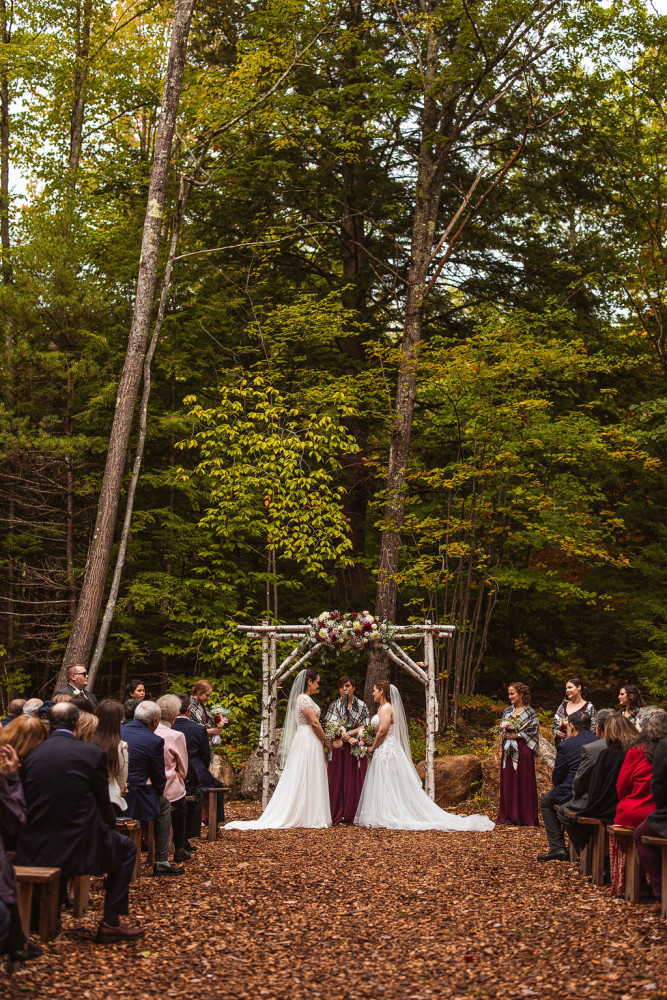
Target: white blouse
118	782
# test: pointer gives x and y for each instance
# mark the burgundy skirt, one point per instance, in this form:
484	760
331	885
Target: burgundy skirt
518	790
346	779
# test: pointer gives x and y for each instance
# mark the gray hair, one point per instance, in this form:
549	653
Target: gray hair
603	717
32	707
147	711
656	727
643	715
170	707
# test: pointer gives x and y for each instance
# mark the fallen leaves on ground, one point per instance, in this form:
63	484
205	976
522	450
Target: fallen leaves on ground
347	912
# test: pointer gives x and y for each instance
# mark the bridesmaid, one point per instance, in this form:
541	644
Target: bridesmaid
574	701
518	787
630	701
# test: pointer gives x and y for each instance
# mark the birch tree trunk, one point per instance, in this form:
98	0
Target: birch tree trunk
90	600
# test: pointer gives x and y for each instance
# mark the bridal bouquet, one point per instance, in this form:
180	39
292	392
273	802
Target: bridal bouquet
220	718
510	748
364	743
334	729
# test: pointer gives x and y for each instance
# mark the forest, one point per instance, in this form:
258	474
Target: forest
359	305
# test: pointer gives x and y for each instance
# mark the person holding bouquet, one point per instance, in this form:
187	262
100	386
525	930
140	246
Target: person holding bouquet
520	734
346	773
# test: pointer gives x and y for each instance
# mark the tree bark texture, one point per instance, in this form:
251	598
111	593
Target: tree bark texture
90	600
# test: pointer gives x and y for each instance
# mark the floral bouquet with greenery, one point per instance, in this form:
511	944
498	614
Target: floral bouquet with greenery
365	741
220	717
508	729
333	730
349	631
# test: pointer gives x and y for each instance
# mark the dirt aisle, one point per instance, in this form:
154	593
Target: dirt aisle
356	913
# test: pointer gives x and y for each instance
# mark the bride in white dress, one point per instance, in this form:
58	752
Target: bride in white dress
392	796
301	797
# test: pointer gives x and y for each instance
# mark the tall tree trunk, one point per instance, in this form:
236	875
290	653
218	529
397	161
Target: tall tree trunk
90	600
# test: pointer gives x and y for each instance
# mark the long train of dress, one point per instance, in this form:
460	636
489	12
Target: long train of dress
393	797
301	797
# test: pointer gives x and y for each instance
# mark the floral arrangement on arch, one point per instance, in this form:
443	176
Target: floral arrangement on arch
349	631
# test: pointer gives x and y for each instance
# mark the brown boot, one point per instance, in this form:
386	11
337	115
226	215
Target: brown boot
106	934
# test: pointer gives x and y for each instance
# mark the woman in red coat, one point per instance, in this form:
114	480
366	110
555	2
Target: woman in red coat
634	801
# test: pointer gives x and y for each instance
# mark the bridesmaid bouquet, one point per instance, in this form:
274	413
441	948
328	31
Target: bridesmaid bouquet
365	741
511	748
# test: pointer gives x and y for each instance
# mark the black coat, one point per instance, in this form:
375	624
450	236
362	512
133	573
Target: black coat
146	764
199	751
69	815
12	819
602	794
73	691
658	820
568	755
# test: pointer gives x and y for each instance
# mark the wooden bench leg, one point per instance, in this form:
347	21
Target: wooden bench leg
148	834
573	852
598	850
24	901
135	834
586	859
663	883
49	910
632	871
81	895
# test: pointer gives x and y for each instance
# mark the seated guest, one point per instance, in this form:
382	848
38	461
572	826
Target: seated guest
83	704
630	701
135	689
176	769
129	707
635	802
14	710
644	714
567	761
655	824
61	699
602	798
146	780
77	678
70	822
12	820
43	712
199	757
110	715
32	707
87	725
589	755
24	734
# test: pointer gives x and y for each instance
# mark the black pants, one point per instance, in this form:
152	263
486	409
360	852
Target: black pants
579	835
212	782
179	817
193	814
554	830
12	937
117	881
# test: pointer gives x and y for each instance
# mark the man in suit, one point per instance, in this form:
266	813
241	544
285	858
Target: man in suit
568	755
77	678
146	781
70	821
589	755
199	757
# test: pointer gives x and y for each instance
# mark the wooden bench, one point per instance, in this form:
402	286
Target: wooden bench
597	848
632	869
47	883
81	895
132	829
211	794
661	843
148	838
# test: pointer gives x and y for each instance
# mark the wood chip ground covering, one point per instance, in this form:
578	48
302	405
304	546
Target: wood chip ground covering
366	914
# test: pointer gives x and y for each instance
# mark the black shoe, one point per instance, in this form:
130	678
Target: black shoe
167	869
28	951
190	847
560	854
182	856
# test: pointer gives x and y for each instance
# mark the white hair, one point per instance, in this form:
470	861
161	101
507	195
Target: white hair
170	707
147	711
32	706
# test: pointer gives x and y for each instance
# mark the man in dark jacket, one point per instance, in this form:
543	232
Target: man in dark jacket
146	780
199	757
14	711
77	678
589	756
70	821
567	761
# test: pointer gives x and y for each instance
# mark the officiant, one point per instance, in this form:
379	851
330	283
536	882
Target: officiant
346	774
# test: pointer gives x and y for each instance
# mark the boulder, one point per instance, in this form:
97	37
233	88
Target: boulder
454	778
222	769
251	786
544	764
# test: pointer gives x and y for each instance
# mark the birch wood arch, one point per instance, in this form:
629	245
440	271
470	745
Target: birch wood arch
274	675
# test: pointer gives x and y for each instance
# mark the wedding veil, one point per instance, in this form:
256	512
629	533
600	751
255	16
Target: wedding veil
400	722
290	723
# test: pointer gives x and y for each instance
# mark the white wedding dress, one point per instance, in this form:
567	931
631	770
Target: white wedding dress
301	797
393	797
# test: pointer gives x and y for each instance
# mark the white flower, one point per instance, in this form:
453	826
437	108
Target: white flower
356	626
324	616
374	627
322	633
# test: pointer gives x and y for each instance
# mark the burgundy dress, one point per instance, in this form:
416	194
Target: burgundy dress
346	779
518	787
